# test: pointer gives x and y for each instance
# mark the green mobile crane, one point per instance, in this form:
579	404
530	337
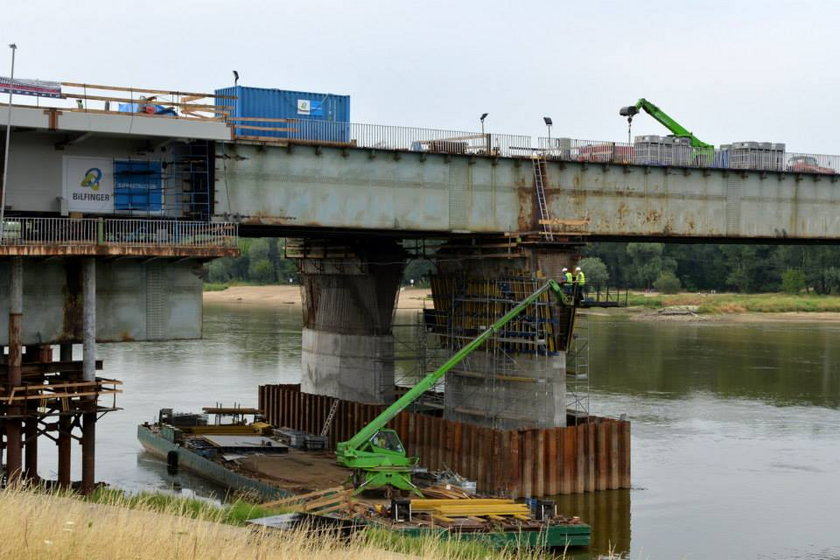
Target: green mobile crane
701	149
376	453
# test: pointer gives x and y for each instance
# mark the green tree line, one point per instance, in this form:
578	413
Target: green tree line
659	266
262	262
723	267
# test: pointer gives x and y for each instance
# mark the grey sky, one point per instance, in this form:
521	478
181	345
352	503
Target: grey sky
728	70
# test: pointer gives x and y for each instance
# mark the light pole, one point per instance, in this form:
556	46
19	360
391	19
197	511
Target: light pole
6	155
486	139
548	124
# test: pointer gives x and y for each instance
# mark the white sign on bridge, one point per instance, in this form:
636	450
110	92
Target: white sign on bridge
89	184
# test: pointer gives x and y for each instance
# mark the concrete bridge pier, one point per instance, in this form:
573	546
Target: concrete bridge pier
518	378
349	295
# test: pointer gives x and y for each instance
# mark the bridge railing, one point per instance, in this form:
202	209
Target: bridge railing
382	137
675	152
120	232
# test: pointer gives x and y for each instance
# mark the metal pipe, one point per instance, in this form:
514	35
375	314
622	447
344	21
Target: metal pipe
13	422
6	156
89	374
89	319
65	425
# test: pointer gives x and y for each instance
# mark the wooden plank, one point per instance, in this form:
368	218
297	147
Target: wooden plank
624	454
550	476
261	119
580	459
539	466
515	465
570	460
527	463
601	458
480	457
612	455
457	446
140	90
271	128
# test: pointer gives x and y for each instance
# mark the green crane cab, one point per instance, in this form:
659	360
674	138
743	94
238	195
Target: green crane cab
703	153
376	454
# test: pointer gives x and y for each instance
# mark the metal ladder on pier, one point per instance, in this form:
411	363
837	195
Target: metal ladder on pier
328	422
540	178
577	371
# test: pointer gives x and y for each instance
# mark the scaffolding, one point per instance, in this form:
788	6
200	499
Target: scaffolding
577	372
176	187
515	379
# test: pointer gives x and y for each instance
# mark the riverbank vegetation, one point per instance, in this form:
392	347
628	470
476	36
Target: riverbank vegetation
738	303
45	525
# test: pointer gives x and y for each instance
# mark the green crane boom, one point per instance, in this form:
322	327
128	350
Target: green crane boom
376	453
665	120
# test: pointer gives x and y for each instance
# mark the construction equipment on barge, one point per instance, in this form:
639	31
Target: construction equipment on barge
376	454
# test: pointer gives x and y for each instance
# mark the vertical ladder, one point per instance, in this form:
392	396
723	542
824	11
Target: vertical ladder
577	371
326	429
540	178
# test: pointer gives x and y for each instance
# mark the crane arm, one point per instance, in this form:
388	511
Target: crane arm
664	119
354	443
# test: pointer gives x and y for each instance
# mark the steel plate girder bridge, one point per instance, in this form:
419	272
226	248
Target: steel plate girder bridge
306	188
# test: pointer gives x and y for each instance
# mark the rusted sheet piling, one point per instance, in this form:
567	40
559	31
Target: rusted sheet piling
518	463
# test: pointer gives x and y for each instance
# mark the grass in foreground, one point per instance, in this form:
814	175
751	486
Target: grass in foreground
740	303
51	526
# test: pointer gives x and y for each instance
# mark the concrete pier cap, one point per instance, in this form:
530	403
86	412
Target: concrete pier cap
349	296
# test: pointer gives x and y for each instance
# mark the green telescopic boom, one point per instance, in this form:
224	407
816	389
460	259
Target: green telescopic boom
664	119
429	381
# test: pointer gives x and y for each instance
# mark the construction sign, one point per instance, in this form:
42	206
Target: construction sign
89	184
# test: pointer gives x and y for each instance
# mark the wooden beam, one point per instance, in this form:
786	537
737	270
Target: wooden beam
158	91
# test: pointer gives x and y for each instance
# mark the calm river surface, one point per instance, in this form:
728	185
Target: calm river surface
736	427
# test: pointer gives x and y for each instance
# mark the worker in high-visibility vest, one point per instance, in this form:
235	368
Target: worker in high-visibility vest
567	276
580	284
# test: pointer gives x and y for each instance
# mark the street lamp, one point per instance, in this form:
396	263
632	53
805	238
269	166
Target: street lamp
548	124
6	155
485	137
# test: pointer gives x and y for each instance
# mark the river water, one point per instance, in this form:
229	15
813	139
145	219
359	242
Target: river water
735	427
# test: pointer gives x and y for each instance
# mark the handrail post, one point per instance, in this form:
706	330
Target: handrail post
100	231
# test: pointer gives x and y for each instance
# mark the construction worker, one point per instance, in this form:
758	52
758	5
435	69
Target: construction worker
580	277
580	284
567	276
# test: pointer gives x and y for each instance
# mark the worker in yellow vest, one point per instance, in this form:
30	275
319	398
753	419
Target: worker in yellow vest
580	284
567	276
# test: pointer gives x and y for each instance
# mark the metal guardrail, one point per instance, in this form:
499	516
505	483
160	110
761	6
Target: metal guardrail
118	232
646	150
380	137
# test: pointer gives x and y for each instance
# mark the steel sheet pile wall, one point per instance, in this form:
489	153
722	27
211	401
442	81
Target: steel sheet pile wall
517	463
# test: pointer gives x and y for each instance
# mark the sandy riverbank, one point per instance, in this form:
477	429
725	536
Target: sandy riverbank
414	298
410	298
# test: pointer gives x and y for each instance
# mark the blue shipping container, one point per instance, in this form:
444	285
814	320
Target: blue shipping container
317	116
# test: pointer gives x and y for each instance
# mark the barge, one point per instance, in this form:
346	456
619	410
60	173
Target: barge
292	470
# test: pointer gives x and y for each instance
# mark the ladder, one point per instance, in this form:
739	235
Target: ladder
577	371
540	178
328	422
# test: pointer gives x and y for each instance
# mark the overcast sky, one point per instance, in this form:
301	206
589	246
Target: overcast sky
727	70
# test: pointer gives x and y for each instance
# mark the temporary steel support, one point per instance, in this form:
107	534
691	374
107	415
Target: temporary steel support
13	420
89	374
65	426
